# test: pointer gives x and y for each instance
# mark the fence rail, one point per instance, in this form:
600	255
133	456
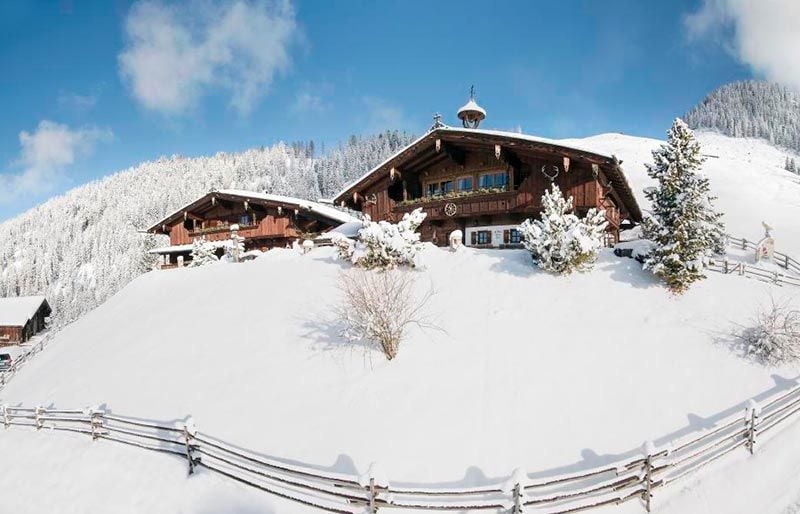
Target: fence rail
629	479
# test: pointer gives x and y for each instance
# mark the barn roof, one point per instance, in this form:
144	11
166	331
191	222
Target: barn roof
315	209
17	311
513	140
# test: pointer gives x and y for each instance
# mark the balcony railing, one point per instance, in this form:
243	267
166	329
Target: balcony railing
219	228
416	202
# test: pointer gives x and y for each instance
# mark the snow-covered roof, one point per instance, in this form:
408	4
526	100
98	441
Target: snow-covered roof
472	106
17	311
349	229
326	211
447	129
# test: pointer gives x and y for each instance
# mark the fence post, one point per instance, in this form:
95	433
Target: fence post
6	420
727	264
189	431
516	486
777	278
786	261
372	496
744	243
649	450
96	423
750	421
39	424
373	481
741	269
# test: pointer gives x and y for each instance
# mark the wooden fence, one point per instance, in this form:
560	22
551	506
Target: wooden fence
635	478
20	361
752	271
781	259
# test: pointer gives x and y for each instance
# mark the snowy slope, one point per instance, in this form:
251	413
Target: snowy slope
746	174
548	373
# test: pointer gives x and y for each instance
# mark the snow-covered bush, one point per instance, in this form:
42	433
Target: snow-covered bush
203	252
377	308
773	336
684	226
561	242
383	245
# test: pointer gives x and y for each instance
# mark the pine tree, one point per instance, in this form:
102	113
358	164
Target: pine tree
684	226
560	241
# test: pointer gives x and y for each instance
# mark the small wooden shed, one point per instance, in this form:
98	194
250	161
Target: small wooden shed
21	318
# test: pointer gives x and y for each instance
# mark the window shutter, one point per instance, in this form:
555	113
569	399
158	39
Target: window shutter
474	237
488	237
506	236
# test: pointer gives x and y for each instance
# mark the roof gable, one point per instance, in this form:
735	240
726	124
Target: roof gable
328	213
490	138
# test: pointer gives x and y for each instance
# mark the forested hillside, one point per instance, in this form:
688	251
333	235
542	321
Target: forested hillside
751	109
82	247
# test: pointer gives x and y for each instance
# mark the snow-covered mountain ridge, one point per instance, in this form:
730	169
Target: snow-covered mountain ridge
751	109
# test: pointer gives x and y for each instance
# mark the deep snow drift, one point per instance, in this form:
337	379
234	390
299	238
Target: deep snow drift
530	370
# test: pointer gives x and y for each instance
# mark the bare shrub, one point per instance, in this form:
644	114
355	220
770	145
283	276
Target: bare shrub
773	336
377	307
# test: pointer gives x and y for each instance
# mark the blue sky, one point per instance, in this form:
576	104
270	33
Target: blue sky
92	87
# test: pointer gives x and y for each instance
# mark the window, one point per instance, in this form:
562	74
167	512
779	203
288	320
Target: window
515	236
465	184
440	188
484	237
244	220
498	180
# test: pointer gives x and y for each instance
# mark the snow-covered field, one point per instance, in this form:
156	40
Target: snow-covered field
547	373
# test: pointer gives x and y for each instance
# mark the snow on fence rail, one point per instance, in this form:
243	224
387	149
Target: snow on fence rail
634	478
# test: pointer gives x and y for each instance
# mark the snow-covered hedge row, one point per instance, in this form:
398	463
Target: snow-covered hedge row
561	242
382	244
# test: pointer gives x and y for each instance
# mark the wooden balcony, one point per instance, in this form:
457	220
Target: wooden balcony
477	204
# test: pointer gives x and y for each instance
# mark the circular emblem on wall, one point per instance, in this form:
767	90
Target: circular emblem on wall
450	209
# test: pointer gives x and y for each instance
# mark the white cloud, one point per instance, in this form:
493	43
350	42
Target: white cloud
44	155
176	54
308	102
382	114
764	34
76	102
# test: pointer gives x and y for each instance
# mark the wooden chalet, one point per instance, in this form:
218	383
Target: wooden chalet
486	182
21	318
265	221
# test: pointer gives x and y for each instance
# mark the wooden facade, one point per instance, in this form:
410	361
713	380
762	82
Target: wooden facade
264	221
485	183
26	321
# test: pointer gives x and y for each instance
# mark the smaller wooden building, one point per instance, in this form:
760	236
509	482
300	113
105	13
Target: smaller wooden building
21	318
265	221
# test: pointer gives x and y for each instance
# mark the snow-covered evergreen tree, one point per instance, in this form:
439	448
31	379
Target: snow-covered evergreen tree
790	165
384	245
684	225
561	242
203	252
